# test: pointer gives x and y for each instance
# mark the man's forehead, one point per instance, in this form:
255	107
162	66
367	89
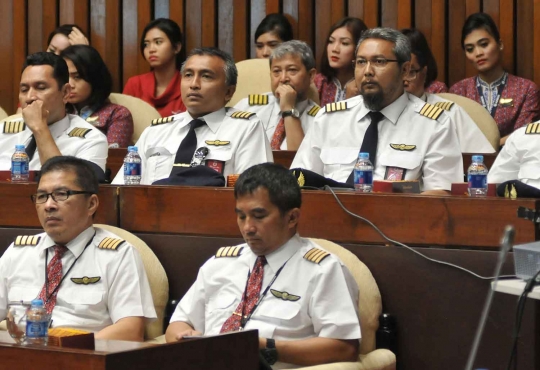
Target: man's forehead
376	47
205	62
37	73
287	59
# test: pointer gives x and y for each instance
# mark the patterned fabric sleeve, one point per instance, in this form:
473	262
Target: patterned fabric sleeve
530	111
458	89
120	129
437	87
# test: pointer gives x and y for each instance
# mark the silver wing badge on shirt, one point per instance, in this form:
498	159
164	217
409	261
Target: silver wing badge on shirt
284	295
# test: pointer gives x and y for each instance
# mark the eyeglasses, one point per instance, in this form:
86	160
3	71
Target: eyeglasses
57	195
375	62
413	73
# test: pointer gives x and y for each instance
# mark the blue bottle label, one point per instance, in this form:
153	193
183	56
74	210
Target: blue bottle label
19	167
363	177
477	181
132	169
37	329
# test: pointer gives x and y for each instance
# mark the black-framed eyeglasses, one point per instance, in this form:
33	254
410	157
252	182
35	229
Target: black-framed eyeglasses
375	62
57	195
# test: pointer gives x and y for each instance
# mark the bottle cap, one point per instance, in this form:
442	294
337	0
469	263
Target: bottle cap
478	158
37	302
363	155
134	148
19	147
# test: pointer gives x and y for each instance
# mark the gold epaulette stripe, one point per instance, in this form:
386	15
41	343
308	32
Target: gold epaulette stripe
316	255
79	132
314	110
533	128
431	111
258	99
24	240
446	105
229	252
335	107
159	121
110	243
241	114
14	127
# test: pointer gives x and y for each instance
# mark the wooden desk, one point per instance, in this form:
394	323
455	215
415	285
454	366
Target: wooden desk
221	352
17	209
414	219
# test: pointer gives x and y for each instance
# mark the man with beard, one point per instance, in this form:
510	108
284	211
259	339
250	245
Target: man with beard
406	138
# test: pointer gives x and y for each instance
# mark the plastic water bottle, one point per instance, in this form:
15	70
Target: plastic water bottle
132	167
37	324
363	174
477	177
19	164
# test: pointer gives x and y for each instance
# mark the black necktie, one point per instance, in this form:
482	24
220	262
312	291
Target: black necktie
371	139
187	147
31	148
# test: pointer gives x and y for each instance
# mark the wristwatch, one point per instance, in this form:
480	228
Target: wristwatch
293	112
270	352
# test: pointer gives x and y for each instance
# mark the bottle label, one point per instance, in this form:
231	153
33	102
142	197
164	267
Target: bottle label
37	329
132	169
19	167
363	177
477	181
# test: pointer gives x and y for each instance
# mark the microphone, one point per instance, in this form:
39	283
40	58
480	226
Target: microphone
199	156
506	243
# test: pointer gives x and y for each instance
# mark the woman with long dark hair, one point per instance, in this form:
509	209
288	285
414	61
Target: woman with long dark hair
161	46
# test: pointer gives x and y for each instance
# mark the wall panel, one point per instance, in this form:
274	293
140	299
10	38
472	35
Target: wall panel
115	26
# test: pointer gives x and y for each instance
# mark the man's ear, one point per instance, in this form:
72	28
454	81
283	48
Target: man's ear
93	204
312	73
293	217
230	92
66	90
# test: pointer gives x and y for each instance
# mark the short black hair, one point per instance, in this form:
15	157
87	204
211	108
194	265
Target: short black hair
479	21
65	30
85	175
276	23
91	68
355	26
60	69
173	32
282	186
420	48
231	72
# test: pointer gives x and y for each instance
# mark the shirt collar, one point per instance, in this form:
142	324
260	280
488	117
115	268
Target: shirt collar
76	246
59	127
213	120
277	258
390	112
495	83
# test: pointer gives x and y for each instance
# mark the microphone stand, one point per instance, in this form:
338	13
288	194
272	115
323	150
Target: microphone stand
506	244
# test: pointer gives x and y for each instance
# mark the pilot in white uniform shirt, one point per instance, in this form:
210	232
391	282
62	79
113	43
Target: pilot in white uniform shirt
471	138
321	297
103	286
73	136
411	146
235	143
519	158
266	106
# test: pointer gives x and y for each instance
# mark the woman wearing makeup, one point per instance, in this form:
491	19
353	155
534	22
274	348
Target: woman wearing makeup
161	46
337	70
64	36
91	84
272	31
512	101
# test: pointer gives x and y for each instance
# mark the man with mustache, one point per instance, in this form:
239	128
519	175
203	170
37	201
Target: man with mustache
88	278
406	138
235	140
286	112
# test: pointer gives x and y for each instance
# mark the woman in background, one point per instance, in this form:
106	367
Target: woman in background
512	101
161	46
91	85
64	36
272	31
337	69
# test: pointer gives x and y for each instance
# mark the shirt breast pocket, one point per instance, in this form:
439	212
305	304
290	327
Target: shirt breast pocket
159	163
222	154
338	162
23	293
277	314
402	159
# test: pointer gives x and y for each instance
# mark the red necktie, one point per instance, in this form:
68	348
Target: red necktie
54	275
249	299
279	135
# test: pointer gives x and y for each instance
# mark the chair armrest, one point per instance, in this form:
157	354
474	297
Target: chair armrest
380	359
